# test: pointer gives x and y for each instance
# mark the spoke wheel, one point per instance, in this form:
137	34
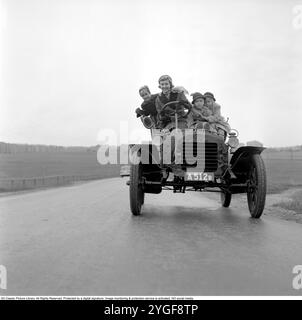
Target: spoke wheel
256	186
136	193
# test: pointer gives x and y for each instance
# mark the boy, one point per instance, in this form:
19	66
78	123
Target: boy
148	106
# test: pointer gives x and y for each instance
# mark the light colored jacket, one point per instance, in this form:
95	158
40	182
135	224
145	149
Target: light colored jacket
218	119
215	118
216	113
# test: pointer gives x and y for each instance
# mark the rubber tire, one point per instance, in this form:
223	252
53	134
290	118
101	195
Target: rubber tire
136	192
256	207
225	198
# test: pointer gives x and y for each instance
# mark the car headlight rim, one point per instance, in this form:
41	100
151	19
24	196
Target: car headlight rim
233	142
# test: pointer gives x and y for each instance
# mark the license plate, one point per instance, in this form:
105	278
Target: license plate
199	176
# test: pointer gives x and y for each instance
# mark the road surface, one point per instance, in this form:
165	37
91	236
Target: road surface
82	240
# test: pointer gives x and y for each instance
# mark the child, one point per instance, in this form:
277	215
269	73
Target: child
148	106
215	108
216	118
200	114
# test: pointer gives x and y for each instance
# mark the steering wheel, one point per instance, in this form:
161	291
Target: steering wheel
173	107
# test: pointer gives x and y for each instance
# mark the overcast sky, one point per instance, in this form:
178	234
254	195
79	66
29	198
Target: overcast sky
72	68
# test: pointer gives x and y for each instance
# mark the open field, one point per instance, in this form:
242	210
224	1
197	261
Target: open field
290	154
57	167
39	164
293	203
285	175
281	174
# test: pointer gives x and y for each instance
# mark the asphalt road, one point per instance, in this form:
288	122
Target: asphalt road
82	240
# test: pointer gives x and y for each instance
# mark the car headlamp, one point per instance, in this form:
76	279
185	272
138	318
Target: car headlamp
233	142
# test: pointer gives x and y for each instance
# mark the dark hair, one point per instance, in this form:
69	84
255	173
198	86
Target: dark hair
209	95
144	88
197	95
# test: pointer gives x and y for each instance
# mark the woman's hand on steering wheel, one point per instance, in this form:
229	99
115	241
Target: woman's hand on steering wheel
173	107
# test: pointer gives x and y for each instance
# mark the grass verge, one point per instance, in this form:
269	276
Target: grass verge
294	203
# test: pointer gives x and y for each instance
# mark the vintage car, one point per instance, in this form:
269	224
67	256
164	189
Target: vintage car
225	167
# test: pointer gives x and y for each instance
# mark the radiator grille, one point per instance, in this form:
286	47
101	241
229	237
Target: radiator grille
210	154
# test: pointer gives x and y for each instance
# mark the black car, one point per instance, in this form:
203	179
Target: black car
224	168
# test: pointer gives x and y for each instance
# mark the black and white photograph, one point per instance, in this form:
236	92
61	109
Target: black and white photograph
150	149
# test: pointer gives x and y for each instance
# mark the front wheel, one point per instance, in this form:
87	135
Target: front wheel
256	186
136	192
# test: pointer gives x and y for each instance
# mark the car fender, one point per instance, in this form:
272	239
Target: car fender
240	158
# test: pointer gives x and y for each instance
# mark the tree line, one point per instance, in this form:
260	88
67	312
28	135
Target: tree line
18	148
